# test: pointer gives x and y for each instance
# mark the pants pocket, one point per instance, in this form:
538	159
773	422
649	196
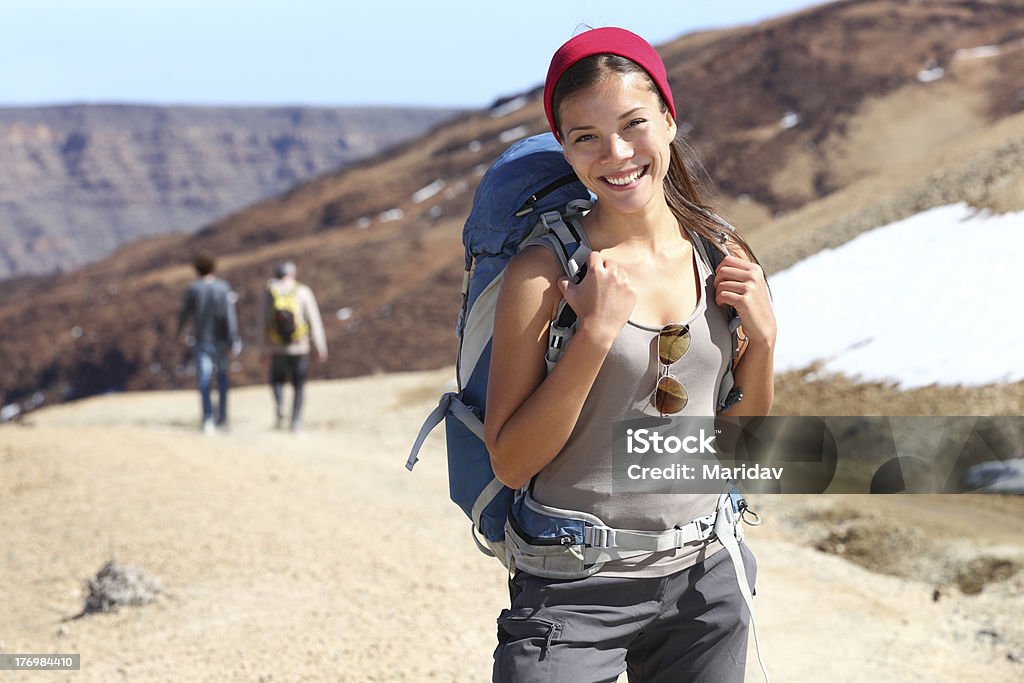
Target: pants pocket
524	646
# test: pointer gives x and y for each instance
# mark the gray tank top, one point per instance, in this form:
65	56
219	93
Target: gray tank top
580	476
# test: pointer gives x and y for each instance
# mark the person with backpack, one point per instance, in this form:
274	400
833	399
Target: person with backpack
209	306
290	320
651	337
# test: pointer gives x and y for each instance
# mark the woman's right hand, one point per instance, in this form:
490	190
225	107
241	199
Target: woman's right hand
604	300
530	413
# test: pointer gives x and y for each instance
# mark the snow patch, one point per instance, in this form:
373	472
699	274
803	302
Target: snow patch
455	190
391	215
926	300
424	193
980	52
513	134
506	108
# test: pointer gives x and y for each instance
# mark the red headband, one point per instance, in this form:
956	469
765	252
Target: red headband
609	40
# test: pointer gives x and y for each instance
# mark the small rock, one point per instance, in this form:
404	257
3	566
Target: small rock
117	585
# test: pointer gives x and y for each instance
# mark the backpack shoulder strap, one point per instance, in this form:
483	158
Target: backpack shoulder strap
566	239
728	394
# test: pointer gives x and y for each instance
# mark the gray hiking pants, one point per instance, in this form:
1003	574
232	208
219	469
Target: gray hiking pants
688	627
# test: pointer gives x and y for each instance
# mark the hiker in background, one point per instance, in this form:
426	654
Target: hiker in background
290	318
652	339
209	306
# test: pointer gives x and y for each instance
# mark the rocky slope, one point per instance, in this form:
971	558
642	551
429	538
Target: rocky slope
814	126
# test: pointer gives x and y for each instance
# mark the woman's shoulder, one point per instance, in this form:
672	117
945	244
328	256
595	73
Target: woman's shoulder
535	262
530	282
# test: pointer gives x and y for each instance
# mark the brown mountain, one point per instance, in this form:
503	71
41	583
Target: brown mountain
78	181
815	126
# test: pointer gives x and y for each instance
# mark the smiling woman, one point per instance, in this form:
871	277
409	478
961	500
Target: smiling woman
653	338
623	155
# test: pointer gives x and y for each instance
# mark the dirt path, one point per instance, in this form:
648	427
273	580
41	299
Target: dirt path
321	559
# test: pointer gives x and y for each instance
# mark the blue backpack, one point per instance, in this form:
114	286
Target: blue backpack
530	195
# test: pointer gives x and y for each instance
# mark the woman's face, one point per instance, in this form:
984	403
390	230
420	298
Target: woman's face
617	139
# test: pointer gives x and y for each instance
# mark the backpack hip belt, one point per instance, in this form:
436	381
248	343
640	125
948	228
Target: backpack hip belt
564	544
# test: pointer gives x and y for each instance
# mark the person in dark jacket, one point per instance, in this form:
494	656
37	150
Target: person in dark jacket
209	307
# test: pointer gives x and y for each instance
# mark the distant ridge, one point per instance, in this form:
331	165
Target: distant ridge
77	181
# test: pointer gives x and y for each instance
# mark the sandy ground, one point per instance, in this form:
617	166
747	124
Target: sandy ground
322	559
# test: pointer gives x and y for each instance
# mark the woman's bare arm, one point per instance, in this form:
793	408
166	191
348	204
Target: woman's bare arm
530	415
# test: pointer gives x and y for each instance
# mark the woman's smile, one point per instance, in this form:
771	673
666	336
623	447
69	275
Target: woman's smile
627	179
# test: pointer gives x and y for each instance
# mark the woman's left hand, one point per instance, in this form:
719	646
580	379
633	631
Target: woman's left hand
740	283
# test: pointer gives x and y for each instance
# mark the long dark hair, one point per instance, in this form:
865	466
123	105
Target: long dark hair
683	182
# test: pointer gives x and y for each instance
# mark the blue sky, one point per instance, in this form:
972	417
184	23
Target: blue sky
315	52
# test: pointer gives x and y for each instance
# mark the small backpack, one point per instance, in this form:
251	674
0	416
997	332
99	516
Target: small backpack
285	322
530	195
